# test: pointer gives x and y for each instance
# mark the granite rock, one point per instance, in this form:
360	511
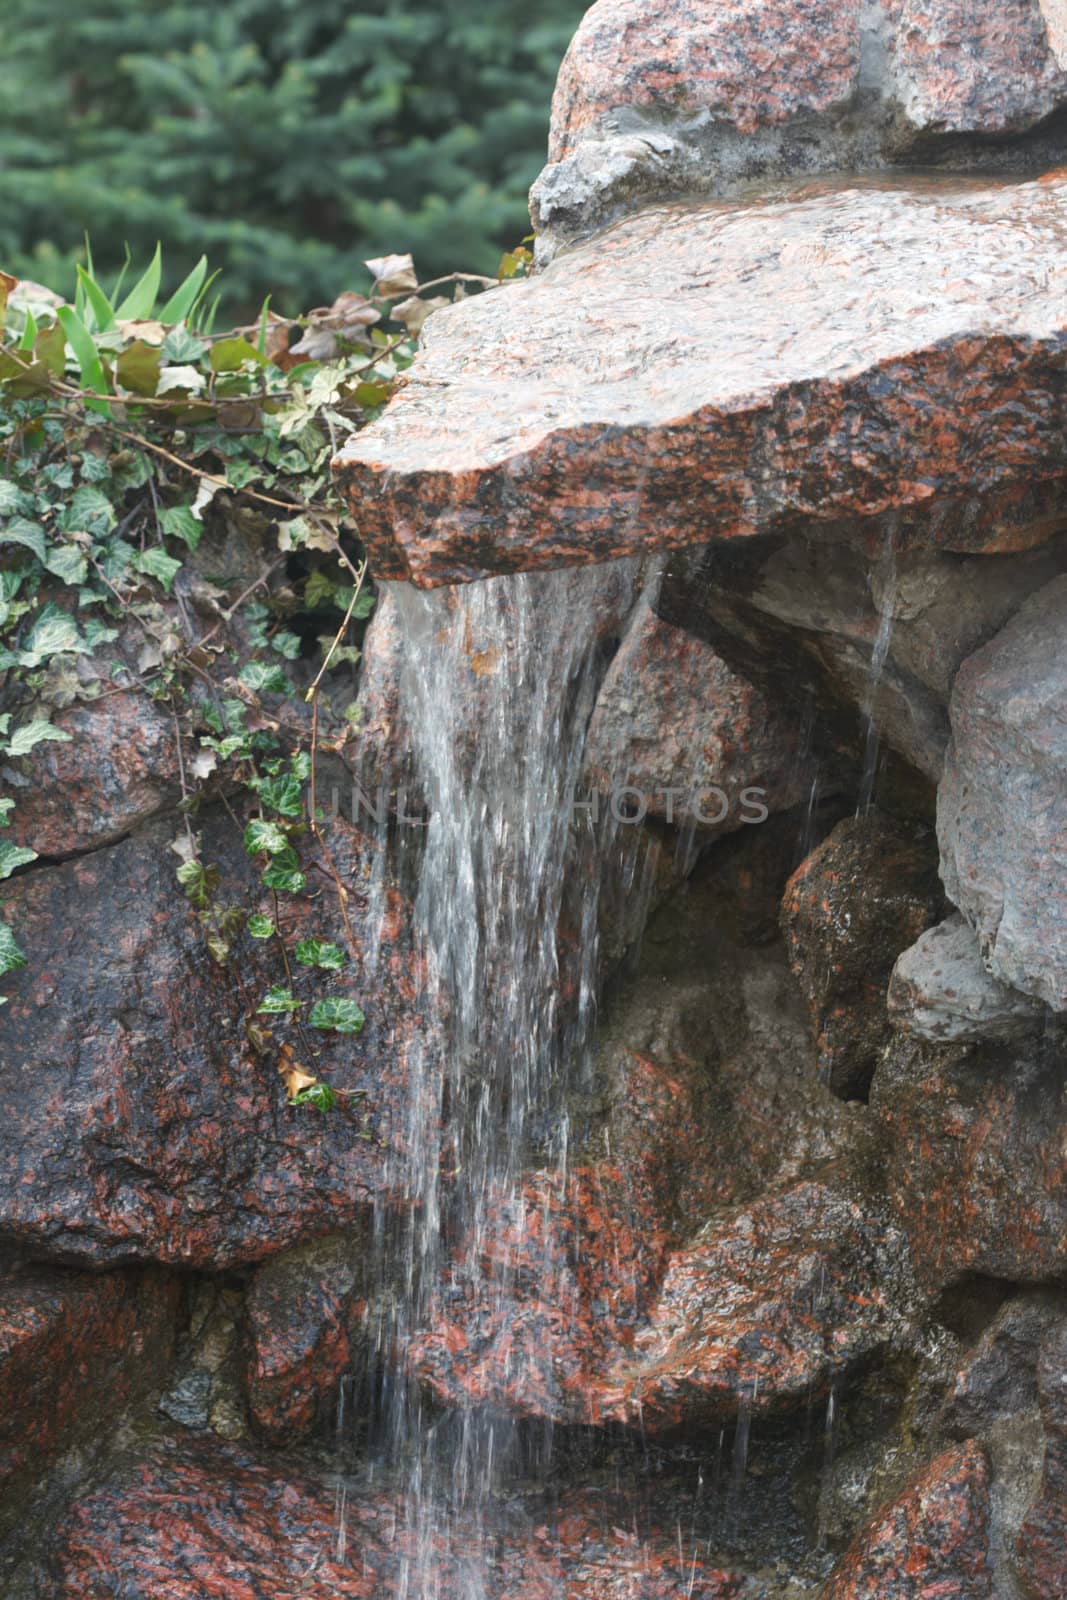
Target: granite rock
1002	805
941	990
803	363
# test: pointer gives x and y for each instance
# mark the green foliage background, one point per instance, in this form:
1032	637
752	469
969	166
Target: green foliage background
286	139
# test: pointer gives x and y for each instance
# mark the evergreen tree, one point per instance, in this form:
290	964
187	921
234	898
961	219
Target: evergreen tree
287	139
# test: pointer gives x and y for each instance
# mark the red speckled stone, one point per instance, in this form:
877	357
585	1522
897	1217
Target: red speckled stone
864	895
701	370
301	1315
1042	1545
764	1308
689	736
977	1156
75	1350
209	1522
933	1541
750	63
139	1124
975	66
119	767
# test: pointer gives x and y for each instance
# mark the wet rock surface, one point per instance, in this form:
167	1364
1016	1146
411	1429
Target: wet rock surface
688	740
704	96
975	1168
303	1330
829	338
140	1124
861	897
1042	1545
1002	807
189	1521
76	1351
932	1540
941	990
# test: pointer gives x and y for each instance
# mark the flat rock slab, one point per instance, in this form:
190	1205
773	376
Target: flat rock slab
888	356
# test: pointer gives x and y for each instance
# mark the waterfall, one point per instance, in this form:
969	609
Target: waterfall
498	684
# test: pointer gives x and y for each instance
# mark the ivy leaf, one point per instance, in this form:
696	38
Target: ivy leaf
317	1095
181	524
264	677
69	564
261	927
182	346
137	368
317	953
157	564
89	508
286	880
229	355
20	530
12	498
342	1016
53	632
33	733
287	645
12	856
265	836
277	1002
6	806
282	794
11	957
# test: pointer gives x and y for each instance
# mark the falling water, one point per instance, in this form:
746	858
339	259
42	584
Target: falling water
498	686
887	574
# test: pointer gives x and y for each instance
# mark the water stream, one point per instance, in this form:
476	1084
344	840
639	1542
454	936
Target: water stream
498	686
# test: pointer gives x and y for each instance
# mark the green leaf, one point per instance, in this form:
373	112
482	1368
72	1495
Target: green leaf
264	677
277	1002
12	856
286	880
69	564
183	299
137	368
85	353
29	334
89	510
11	957
103	314
319	1096
30	534
53	632
140	302
38	731
179	522
157	564
316	953
283	794
268	836
182	346
342	1016
286	644
261	927
6	806
12	498
229	355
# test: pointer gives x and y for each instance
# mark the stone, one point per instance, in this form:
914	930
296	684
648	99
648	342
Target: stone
849	909
764	1308
997	1378
303	1318
974	1156
932	1540
204	1521
676	735
119	768
1002	806
707	96
806	363
140	1122
832	638
941	990
76	1352
1042	1545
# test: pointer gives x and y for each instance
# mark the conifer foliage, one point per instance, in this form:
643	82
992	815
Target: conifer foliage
286	139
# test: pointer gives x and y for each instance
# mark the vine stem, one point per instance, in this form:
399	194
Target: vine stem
312	698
